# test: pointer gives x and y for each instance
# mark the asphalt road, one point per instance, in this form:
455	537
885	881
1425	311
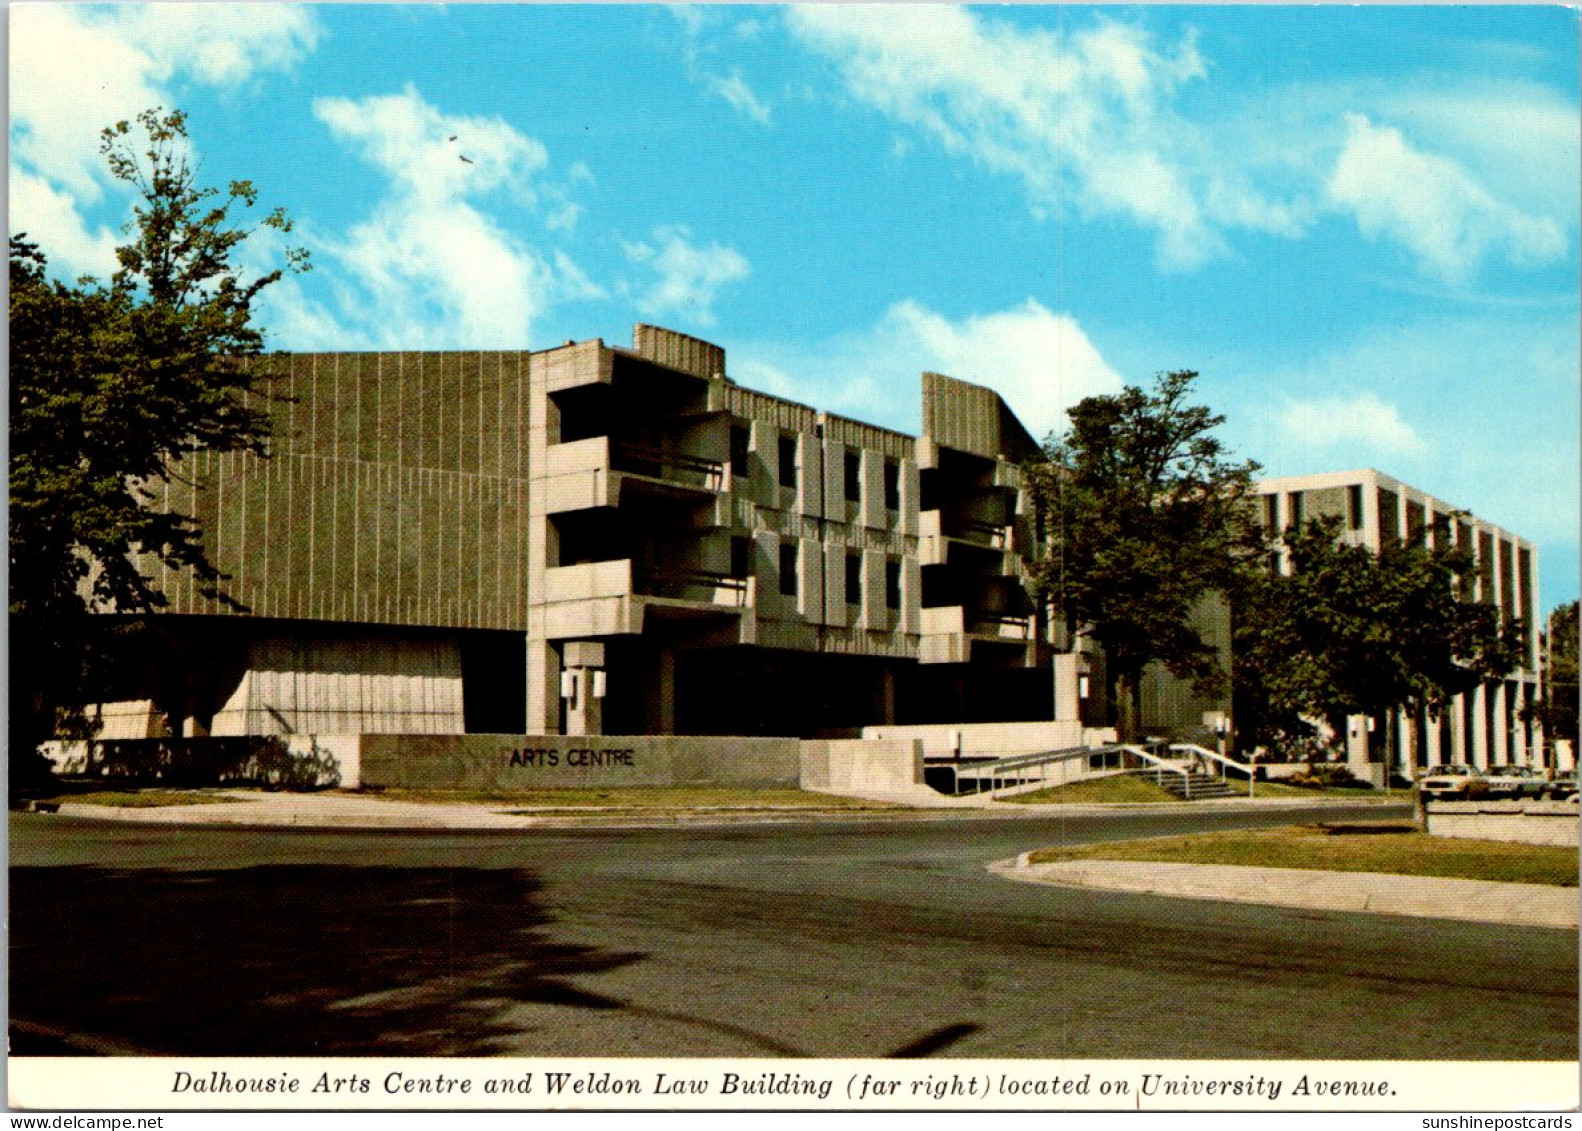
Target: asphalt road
797	939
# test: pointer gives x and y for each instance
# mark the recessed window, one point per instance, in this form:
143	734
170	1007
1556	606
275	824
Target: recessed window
741	557
788	568
892	584
740	438
1354	507
788	461
892	485
853	474
853	579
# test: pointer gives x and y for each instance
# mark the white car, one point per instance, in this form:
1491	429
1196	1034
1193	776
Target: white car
1450	783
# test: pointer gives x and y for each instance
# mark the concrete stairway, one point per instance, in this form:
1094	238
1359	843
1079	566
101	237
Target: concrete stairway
1192	786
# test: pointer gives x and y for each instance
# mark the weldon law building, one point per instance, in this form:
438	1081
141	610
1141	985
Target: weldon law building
594	540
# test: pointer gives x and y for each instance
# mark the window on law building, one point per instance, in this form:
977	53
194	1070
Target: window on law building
740	437
741	557
789	558
892	485
892	584
853	579
788	461
853	465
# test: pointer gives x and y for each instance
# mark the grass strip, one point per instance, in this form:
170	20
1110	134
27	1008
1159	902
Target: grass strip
635	798
137	798
1396	849
1119	789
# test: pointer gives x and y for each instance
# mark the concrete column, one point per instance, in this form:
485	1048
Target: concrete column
543	688
1357	745
886	704
1068	702
1431	738
585	706
1456	720
665	689
1502	730
1477	739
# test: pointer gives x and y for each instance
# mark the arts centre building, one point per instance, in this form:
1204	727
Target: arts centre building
595	540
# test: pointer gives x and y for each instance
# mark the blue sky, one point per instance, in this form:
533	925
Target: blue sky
1359	224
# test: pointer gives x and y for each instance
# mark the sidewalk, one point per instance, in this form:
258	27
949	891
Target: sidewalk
1483	901
334	809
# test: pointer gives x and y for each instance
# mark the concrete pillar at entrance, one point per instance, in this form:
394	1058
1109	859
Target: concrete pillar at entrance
583	678
1068	701
1431	732
887	697
1357	745
543	688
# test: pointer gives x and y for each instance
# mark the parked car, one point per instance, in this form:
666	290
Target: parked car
1514	782
1563	787
1454	782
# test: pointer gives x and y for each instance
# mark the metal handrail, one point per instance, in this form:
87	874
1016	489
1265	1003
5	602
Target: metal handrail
713	471
994	769
1162	764
1203	752
656	579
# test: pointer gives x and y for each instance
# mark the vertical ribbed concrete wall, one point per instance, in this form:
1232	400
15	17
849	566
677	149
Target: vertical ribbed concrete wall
397	494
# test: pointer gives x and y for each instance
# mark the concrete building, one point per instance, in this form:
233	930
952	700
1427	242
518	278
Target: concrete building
1489	726
598	540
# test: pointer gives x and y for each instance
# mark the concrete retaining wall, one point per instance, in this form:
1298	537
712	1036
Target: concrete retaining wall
508	761
1529	822
985	740
861	764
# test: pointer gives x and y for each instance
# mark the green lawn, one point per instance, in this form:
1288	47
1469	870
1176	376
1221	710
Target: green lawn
1281	789
1118	789
1377	847
636	797
137	798
1125	789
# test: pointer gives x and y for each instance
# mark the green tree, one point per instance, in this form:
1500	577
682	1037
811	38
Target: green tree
1145	516
113	385
1557	710
1350	631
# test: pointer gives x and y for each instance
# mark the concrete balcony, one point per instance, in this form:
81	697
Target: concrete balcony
963	542
950	632
594	599
594	473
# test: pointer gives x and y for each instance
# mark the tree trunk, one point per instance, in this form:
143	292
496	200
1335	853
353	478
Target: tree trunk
1129	706
1419	804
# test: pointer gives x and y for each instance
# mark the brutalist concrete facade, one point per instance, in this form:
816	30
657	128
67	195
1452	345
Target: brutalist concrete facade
601	540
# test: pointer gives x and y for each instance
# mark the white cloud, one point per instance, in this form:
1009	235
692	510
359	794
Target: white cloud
1479	410
1039	361
1083	118
1098	120
735	90
431	267
700	46
689	277
77	68
49	217
1432	205
1362	419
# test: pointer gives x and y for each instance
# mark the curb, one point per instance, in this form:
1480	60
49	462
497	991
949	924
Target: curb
1480	901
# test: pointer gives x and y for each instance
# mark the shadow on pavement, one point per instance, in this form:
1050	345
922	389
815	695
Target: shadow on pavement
284	960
